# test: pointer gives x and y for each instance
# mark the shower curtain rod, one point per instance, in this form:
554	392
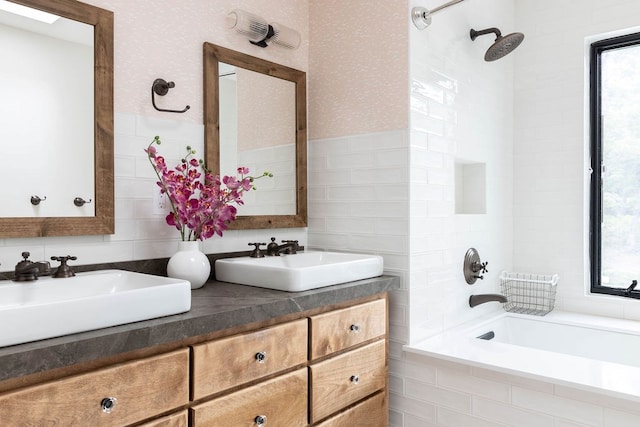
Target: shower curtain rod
444	6
421	16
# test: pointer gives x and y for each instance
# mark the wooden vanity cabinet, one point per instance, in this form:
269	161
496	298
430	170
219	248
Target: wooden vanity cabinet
326	367
119	395
329	367
348	352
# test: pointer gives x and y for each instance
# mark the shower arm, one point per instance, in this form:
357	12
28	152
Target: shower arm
493	30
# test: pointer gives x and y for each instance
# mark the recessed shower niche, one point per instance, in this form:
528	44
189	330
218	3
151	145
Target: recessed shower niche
470	187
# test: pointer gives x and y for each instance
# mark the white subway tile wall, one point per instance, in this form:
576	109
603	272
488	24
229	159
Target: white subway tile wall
360	187
139	233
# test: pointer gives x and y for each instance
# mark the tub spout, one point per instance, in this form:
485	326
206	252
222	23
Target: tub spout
481	299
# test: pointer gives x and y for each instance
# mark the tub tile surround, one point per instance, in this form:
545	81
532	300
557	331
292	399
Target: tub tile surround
476	396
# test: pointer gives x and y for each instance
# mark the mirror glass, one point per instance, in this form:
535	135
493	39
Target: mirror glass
56	118
258	130
47	115
255	116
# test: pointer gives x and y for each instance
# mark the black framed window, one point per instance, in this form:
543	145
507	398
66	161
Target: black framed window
615	165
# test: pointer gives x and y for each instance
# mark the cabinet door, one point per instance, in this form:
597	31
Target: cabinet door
281	401
341	329
373	412
115	396
342	380
228	362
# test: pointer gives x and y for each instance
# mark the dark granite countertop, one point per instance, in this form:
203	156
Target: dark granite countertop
214	307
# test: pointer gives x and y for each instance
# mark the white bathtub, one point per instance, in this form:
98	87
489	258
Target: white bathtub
588	352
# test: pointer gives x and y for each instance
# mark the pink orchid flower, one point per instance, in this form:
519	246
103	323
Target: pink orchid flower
202	204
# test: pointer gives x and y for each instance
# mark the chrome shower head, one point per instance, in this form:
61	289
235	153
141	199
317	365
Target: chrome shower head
503	45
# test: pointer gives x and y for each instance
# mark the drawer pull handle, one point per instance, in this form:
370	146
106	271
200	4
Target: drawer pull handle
261	357
107	404
354	328
260	420
354	379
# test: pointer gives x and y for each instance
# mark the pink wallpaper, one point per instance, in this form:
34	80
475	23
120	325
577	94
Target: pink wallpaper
358	67
356	57
164	40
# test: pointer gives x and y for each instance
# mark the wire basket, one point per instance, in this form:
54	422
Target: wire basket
529	293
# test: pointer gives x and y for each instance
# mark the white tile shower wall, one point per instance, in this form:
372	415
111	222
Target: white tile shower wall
139	233
551	145
460	110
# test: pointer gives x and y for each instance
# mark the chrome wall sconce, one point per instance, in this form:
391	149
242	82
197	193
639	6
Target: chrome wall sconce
260	32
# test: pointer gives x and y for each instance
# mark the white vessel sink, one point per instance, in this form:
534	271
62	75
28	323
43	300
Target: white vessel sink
299	272
49	307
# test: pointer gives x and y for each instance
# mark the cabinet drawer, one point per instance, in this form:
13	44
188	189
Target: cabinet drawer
340	329
179	419
282	401
142	389
228	362
347	378
373	412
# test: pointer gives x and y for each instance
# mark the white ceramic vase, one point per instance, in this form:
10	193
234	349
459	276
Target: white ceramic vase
189	263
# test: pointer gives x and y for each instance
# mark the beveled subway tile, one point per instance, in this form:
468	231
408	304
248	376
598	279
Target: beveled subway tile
439	396
588	414
509	415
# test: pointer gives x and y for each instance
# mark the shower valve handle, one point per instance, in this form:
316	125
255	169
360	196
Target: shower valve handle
480	267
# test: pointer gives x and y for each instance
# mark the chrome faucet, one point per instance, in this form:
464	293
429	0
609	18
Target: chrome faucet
27	270
481	299
288	247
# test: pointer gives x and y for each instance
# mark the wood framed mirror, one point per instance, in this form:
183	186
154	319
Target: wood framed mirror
273	131
100	160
